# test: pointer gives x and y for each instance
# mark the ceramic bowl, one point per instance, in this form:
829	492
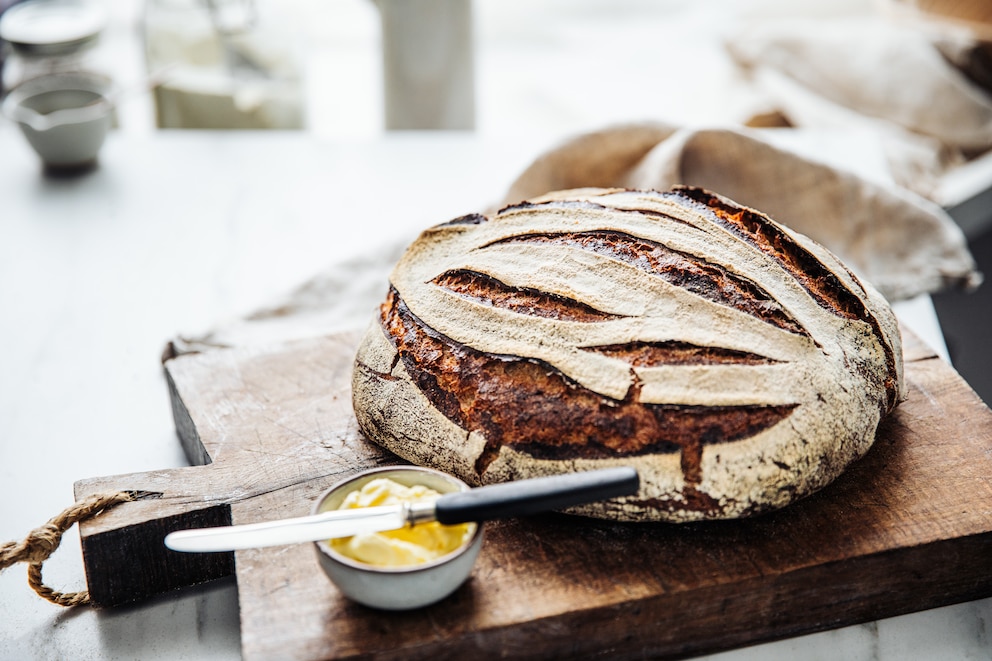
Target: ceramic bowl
65	117
397	588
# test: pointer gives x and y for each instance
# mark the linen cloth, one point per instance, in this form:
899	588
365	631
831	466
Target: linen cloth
899	241
926	93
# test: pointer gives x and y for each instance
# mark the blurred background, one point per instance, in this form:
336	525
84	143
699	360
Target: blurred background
917	73
100	267
333	67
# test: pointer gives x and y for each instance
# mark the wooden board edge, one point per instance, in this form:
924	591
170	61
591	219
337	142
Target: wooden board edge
680	625
131	562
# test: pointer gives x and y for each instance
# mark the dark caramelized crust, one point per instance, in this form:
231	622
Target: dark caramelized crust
532	407
490	291
823	286
468	219
710	281
648	354
755	229
736	365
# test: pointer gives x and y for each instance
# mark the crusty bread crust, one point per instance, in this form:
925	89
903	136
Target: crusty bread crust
739	366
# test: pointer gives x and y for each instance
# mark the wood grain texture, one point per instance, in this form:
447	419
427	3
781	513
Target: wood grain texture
907	528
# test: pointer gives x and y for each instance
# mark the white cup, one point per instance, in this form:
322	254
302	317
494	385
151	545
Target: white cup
65	117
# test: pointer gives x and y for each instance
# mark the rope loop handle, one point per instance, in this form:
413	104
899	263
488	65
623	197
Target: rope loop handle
43	540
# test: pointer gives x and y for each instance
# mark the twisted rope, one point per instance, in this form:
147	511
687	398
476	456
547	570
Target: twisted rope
42	542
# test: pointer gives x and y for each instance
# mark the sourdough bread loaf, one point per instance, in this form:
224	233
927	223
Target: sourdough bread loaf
737	365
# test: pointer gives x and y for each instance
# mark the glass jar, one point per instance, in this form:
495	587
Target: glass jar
223	66
46	37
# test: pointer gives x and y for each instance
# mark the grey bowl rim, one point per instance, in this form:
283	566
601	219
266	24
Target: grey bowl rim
84	81
327	550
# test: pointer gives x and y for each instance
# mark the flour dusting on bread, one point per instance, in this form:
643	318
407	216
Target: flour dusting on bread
737	365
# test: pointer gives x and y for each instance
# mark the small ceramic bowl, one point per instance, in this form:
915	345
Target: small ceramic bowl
397	588
65	117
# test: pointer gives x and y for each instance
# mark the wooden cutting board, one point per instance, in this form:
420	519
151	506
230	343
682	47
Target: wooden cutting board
907	528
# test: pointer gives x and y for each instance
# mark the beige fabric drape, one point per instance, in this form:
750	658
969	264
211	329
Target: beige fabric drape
925	93
898	241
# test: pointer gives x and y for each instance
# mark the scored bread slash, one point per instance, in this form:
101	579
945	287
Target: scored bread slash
736	364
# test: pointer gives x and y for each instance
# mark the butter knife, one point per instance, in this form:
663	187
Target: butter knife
496	501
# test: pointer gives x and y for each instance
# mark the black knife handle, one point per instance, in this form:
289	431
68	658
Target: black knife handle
535	495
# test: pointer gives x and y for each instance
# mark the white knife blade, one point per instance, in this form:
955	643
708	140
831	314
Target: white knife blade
494	501
327	525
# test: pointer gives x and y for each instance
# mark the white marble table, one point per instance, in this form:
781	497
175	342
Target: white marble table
175	232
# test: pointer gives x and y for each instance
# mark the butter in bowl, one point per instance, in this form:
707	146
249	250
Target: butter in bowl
399	569
404	537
